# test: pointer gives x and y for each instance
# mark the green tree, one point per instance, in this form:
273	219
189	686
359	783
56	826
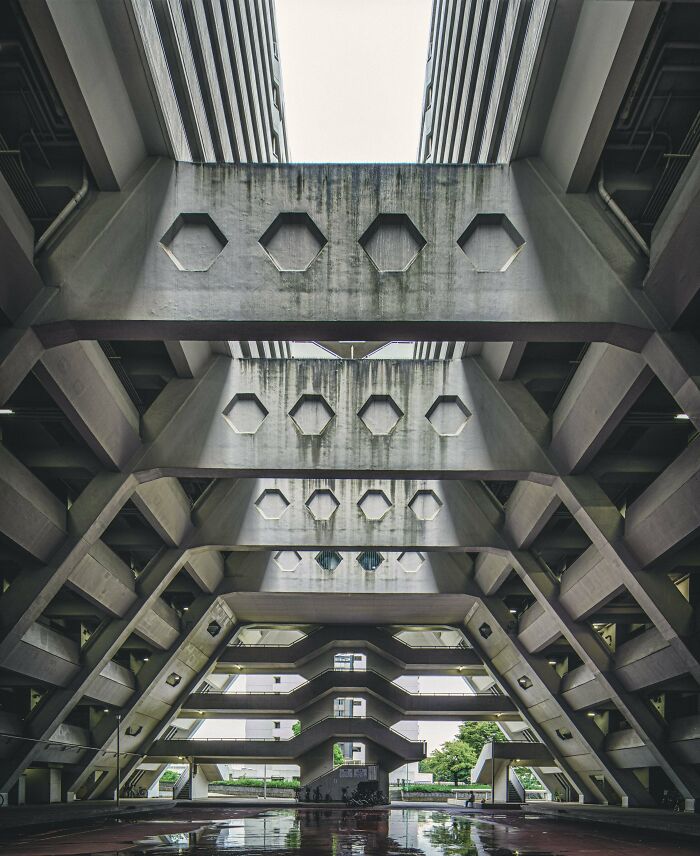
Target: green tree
296	728
338	757
527	779
452	761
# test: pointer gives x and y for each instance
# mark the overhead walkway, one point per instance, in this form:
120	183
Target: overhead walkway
495	764
409	705
424	661
270	751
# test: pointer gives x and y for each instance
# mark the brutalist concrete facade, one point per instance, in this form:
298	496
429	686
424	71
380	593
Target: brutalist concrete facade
172	479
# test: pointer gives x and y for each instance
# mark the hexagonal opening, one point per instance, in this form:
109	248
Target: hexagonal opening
245	413
370	560
329	559
311	414
448	415
322	504
272	504
288	560
392	242
374	504
380	414
425	504
193	242
491	243
293	241
410	561
213	628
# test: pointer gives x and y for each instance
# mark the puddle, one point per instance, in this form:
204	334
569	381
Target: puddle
343	832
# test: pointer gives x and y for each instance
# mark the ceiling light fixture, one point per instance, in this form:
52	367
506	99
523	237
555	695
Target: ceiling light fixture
677	416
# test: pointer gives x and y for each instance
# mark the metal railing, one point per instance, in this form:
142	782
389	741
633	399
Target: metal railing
308	681
304	731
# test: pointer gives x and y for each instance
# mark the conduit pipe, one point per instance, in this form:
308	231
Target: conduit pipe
620	215
63	215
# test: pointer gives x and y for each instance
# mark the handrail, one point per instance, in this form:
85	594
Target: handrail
308	681
463	646
343	719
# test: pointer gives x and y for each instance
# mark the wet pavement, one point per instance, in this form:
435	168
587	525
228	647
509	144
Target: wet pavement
344	832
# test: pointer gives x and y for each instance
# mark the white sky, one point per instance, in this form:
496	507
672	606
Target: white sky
352	75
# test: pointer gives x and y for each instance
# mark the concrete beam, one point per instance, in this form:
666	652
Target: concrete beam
606	384
97	654
19	351
163	684
82	382
287	417
675	360
602	58
19	280
76	48
357	514
442	295
674	270
188	358
30	515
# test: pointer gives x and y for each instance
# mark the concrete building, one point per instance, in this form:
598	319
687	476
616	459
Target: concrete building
175	486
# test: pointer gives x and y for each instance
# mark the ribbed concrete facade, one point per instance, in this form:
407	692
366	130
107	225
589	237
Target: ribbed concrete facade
183	503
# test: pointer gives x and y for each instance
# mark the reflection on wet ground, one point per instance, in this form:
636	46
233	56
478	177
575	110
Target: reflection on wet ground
341	832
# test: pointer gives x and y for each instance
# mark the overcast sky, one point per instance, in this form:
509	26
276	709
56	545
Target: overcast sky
352	74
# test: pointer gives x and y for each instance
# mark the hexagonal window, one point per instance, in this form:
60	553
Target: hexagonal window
293	241
411	561
448	415
374	504
193	242
245	413
213	628
392	242
272	504
328	559
380	414
485	630
491	243
425	504
311	414
370	560
288	560
322	504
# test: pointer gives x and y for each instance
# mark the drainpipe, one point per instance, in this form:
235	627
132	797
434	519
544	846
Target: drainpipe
622	218
63	215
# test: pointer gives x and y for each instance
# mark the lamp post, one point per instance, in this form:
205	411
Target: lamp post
119	760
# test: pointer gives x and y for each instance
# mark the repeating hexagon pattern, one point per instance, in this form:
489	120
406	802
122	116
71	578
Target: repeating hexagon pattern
491	243
193	242
322	504
425	504
272	504
245	413
448	415
288	560
293	241
311	414
392	242
374	504
380	414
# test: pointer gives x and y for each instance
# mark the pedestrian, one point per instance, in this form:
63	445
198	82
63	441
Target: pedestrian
471	797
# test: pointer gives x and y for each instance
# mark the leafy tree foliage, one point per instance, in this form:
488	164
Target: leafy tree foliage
454	760
338	757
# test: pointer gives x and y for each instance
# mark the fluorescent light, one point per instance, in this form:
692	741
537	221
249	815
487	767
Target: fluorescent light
6	411
513	611
677	416
590	713
552	662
